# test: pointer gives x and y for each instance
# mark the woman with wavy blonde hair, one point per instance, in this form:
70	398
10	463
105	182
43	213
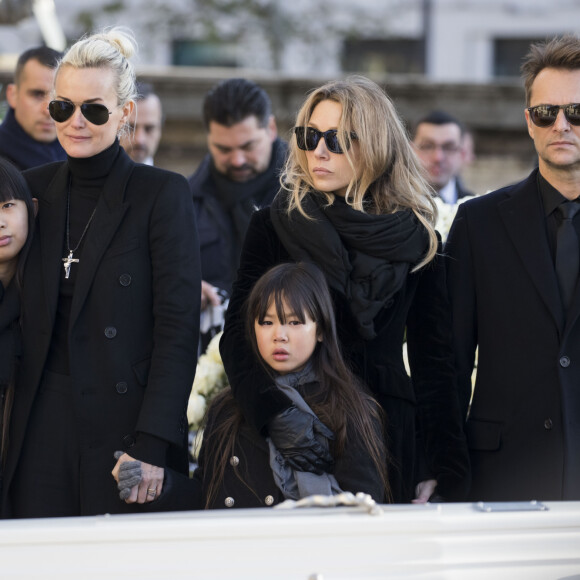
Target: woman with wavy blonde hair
111	297
354	202
386	174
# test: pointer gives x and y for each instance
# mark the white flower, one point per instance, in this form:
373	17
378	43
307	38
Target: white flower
446	213
210	378
195	409
213	349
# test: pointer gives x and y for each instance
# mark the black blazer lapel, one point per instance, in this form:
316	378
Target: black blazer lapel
52	223
111	208
524	221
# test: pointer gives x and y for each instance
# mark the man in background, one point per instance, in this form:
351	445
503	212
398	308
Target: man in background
27	133
438	141
240	173
145	124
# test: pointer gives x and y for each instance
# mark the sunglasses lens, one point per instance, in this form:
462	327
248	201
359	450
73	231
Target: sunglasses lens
61	111
544	116
95	113
301	138
331	138
573	114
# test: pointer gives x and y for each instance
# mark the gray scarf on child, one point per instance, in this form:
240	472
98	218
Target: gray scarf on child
299	484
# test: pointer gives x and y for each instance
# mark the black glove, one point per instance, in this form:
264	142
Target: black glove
129	476
298	436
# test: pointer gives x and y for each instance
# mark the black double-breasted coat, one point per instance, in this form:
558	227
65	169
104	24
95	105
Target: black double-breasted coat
523	428
134	319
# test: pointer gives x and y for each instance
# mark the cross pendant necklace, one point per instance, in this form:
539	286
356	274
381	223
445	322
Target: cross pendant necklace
67	263
69	260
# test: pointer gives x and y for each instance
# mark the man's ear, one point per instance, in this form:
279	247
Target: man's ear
11	94
35	204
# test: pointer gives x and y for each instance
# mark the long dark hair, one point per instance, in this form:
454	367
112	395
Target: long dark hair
13	186
341	402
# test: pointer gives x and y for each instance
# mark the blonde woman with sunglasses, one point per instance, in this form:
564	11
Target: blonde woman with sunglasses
111	299
354	202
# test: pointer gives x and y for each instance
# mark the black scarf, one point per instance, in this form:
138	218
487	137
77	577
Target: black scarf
365	257
239	200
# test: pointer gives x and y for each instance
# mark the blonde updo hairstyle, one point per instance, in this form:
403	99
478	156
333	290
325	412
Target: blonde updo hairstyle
112	48
387	175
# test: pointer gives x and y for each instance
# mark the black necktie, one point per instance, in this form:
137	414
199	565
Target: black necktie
567	252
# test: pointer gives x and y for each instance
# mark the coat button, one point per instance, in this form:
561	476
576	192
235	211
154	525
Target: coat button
229	502
125	279
110	332
122	387
548	424
234	461
564	361
269	500
129	440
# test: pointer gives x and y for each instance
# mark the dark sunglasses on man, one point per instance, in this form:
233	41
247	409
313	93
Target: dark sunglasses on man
307	139
94	113
546	115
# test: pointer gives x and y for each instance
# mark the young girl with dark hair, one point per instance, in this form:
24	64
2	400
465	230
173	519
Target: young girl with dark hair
17	211
291	327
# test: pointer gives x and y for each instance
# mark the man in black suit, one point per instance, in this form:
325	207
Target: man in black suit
438	141
512	273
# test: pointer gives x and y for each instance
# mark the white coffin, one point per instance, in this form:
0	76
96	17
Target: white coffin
446	541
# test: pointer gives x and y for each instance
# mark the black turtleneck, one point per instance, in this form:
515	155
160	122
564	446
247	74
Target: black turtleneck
87	180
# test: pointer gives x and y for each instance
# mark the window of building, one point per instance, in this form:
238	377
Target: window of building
378	56
197	53
508	54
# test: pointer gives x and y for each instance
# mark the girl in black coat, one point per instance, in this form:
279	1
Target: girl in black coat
354	202
291	328
17	211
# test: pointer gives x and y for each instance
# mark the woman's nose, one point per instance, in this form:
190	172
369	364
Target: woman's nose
77	118
321	149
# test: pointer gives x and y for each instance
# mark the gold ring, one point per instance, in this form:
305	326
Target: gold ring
151	491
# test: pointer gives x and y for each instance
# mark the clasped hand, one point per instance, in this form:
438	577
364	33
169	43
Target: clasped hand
138	482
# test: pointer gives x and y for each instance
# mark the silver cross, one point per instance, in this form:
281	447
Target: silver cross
67	263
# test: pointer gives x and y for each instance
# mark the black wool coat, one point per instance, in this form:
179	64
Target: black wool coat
134	319
523	428
248	481
424	430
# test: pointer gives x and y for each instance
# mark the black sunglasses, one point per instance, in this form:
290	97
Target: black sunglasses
95	113
546	115
307	139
